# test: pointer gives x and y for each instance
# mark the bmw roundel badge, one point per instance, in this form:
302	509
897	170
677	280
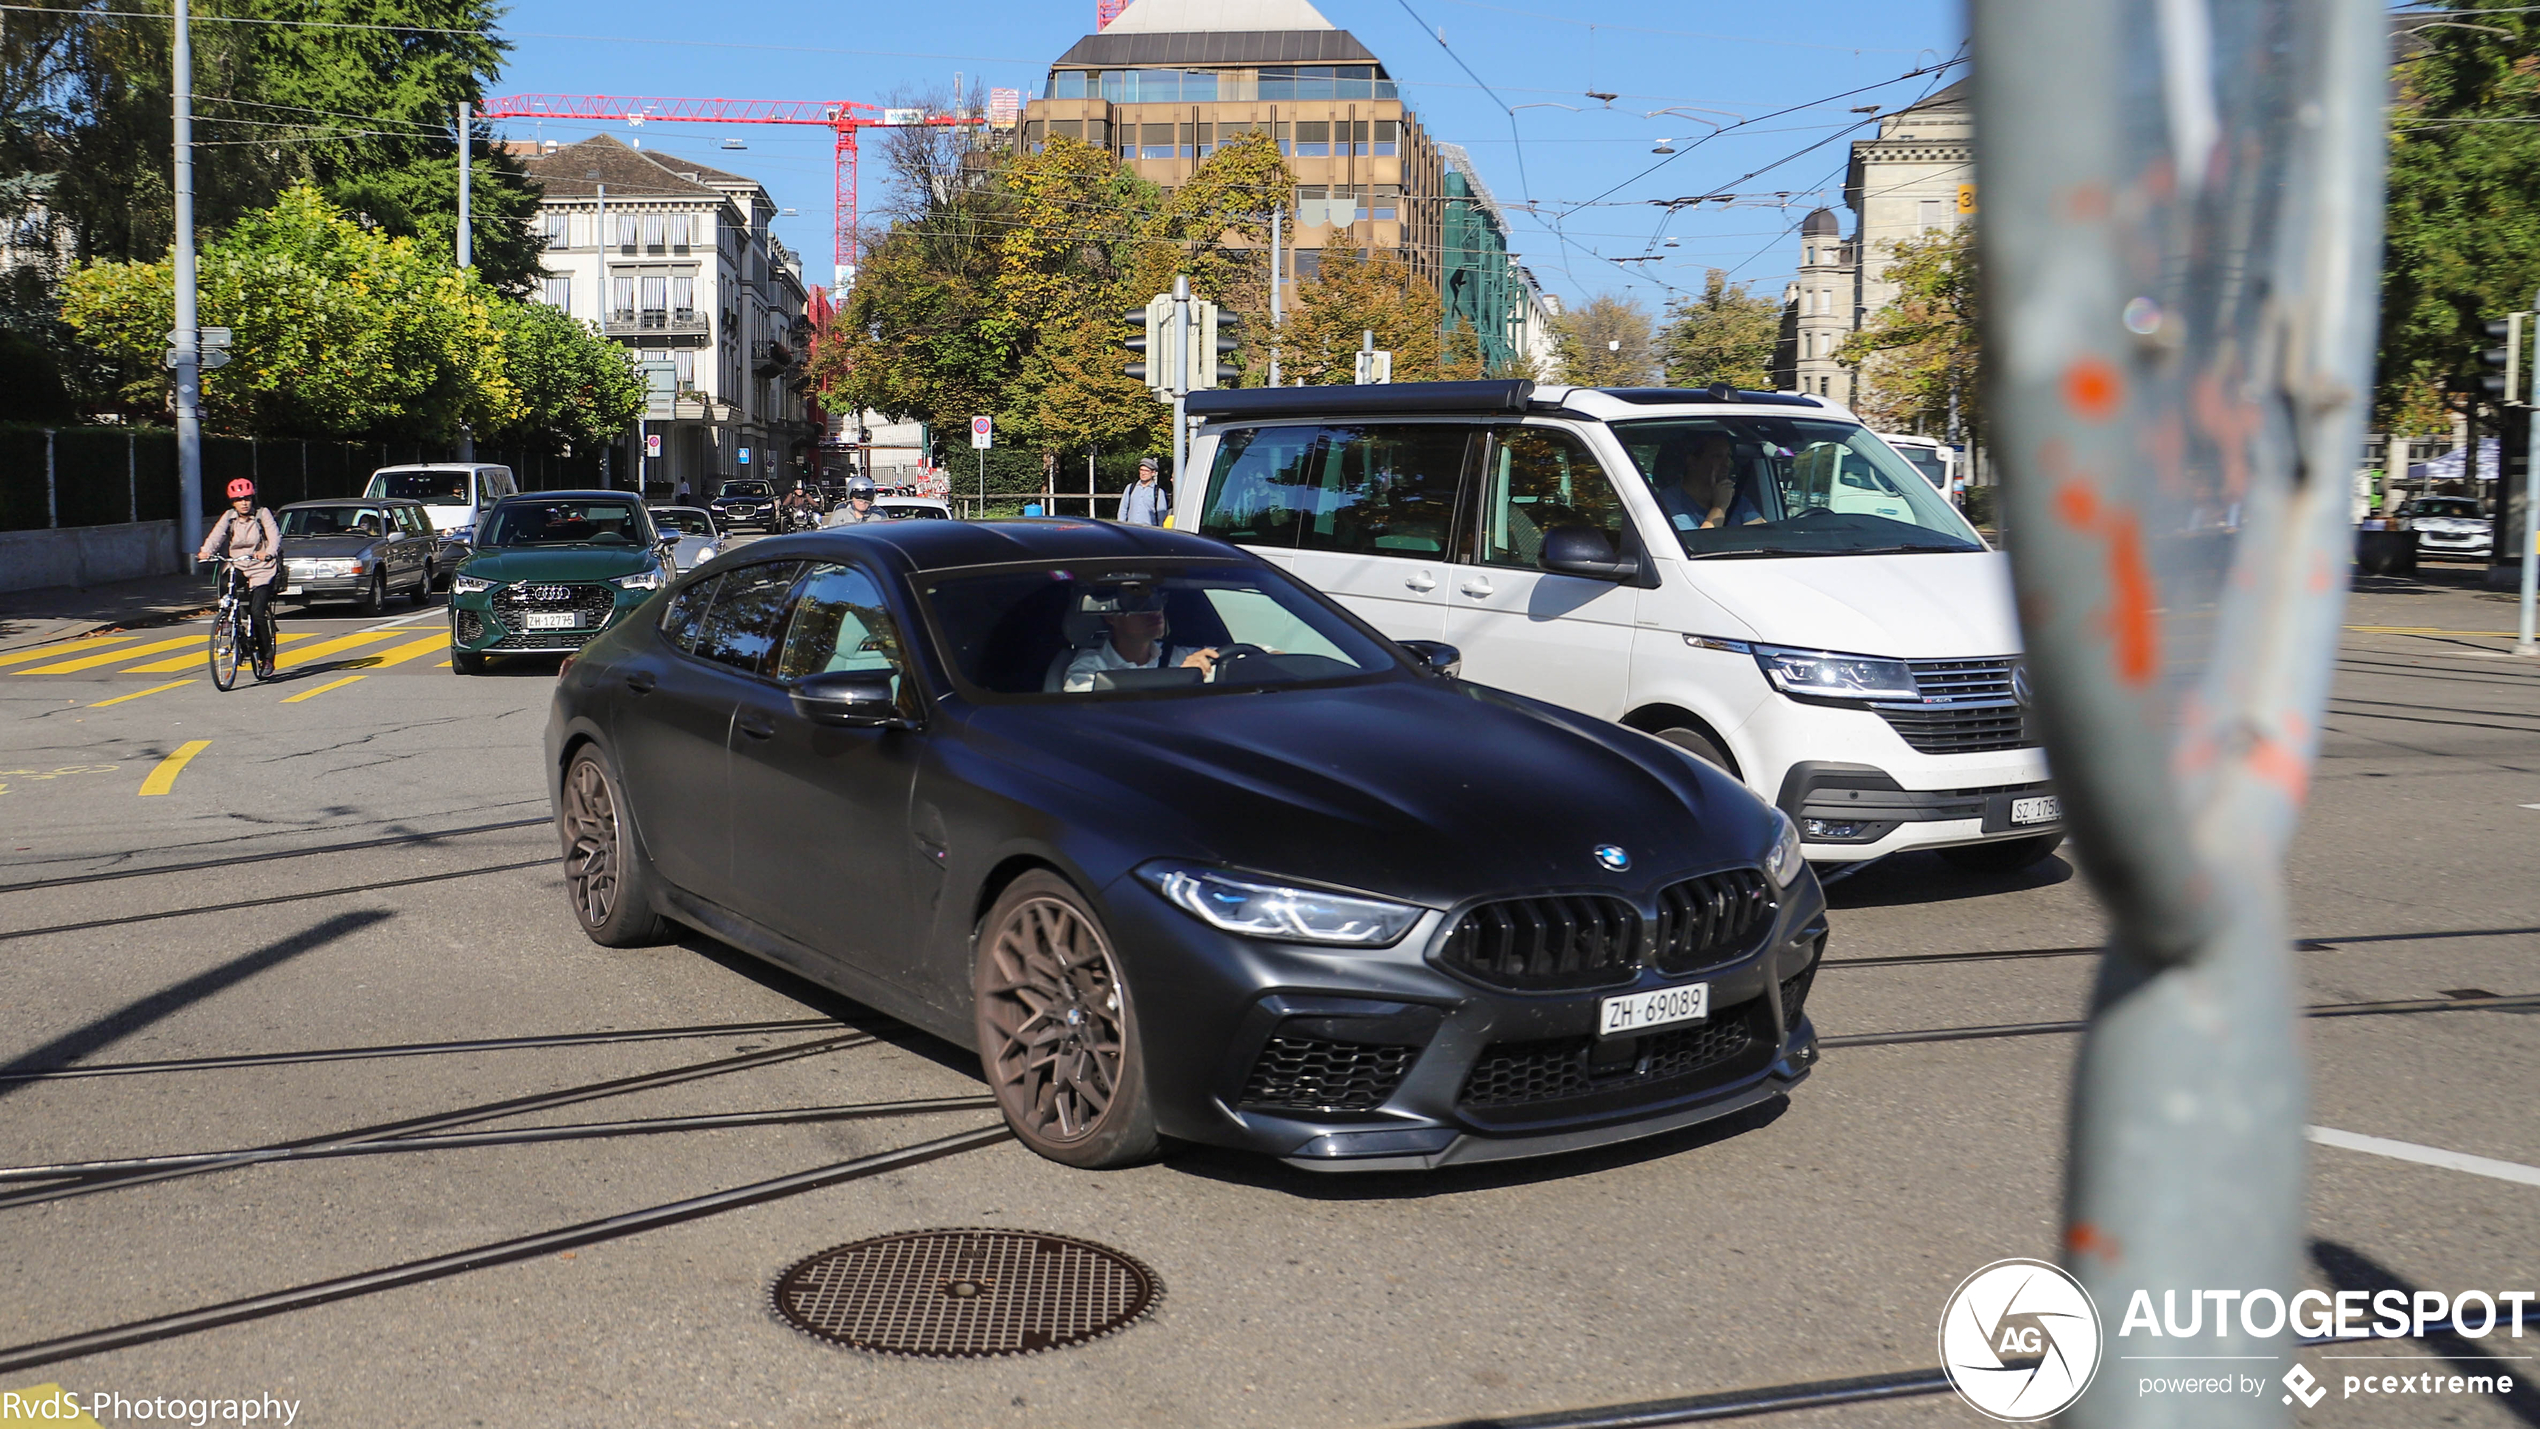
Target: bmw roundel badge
1612	856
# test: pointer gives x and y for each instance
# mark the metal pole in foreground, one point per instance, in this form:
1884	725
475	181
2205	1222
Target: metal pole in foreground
467	433
2525	644
186	340
1274	295
1180	386
2191	275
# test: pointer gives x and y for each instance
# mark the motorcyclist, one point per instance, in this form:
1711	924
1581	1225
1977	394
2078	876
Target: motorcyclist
859	508
246	536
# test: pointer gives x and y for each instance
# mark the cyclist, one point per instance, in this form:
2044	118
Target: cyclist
246	536
859	508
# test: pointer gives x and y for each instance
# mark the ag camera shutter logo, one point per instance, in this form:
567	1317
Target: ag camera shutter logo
2020	1341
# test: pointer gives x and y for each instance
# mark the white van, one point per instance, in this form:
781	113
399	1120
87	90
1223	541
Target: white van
455	493
1752	576
1934	458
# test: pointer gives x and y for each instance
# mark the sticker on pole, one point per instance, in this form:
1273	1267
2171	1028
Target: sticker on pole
2019	1341
983	432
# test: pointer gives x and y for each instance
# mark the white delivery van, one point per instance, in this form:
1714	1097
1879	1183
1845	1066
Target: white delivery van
1752	576
455	493
1934	458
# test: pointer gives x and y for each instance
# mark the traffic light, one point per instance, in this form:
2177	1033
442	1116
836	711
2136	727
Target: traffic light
1150	331
2506	360
1220	333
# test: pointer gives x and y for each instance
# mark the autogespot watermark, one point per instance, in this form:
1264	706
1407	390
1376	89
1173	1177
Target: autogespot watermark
2021	1340
54	1405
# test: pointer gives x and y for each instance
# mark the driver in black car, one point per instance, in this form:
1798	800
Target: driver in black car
1135	615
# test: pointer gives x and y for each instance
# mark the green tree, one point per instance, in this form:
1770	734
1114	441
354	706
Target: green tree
1605	343
342	330
2463	240
1350	296
1921	356
1725	335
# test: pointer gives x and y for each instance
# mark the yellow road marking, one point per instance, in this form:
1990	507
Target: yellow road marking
429	645
90	662
185	661
154	689
338	645
322	689
163	778
47	652
2423	630
445	664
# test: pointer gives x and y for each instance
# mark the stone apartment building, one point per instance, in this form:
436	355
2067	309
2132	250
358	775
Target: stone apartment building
1916	176
676	260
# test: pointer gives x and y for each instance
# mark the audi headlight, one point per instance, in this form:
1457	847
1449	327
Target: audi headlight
1823	674
1287	914
468	585
1784	862
641	580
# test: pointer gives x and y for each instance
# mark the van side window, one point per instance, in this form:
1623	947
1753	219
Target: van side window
1381	489
1538	478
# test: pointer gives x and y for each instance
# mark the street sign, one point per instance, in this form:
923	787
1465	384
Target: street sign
745	456
1373	365
661	389
983	432
1004	107
903	116
215	337
652	444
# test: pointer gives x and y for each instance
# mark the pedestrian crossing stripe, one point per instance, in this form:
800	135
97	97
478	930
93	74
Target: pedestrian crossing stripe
186	661
63	647
90	662
432	644
307	653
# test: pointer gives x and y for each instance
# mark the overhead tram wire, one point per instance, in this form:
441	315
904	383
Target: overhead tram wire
1679	34
1524	186
503	1252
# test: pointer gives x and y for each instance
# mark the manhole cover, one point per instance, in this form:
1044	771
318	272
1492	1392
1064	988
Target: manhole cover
965	1294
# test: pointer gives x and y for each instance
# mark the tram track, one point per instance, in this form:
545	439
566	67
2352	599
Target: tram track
241	860
273	899
2512	1002
602	1037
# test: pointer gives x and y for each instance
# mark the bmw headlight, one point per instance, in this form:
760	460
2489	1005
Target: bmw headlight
1287	914
1823	674
641	580
1784	862
459	533
468	585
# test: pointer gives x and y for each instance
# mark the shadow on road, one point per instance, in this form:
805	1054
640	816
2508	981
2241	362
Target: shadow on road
2350	1269
1910	878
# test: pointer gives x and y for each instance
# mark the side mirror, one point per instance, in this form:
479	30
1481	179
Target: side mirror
848	699
1436	657
1584	551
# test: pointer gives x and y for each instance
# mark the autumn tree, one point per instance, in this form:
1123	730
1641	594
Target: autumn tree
1725	335
1604	343
1920	356
1350	296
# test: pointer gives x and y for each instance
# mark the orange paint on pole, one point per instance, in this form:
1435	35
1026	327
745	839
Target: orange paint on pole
2077	504
2131	622
2093	389
2280	766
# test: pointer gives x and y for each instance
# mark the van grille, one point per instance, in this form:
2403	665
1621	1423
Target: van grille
1967	708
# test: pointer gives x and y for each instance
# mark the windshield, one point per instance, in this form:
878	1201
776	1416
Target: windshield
433	488
686	520
899	512
568	523
338	521
1933	466
744	488
1788	486
1077	631
2456	507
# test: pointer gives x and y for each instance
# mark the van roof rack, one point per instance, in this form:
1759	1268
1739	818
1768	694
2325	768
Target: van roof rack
1509	395
1722	392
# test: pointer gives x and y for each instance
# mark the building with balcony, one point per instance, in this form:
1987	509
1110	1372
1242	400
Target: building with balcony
1168	80
676	260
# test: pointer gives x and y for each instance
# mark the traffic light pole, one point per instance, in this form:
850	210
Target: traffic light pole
1180	343
2524	643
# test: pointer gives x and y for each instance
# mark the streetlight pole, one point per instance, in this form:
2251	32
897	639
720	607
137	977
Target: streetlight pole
187	338
1180	345
2524	644
1275	215
467	433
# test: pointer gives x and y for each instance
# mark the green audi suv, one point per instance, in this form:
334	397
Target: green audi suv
550	570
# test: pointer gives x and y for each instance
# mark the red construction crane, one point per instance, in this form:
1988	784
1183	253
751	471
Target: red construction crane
840	116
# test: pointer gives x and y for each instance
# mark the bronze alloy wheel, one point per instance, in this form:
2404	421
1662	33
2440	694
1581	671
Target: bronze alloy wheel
1057	1035
604	875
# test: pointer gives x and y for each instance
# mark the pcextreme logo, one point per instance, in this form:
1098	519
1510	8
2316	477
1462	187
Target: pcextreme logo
2019	1340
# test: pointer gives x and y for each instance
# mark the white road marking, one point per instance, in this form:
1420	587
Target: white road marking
2427	1155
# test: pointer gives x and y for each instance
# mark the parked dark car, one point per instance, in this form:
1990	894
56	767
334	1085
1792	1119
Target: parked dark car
363	551
1279	884
745	503
550	570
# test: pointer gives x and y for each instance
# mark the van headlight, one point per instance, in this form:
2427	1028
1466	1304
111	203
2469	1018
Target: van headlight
1824	674
1258	908
468	585
1784	863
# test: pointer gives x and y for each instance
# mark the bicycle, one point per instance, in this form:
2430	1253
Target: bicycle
233	631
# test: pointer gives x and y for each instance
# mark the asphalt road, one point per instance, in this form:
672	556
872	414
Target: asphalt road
417	902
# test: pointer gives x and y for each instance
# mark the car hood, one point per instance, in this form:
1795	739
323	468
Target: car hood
1935	606
298	547
2451	524
1416	789
559	563
743	500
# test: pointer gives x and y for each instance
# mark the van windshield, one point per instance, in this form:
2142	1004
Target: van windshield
1772	485
433	488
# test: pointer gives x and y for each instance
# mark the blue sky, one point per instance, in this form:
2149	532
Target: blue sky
1703	61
